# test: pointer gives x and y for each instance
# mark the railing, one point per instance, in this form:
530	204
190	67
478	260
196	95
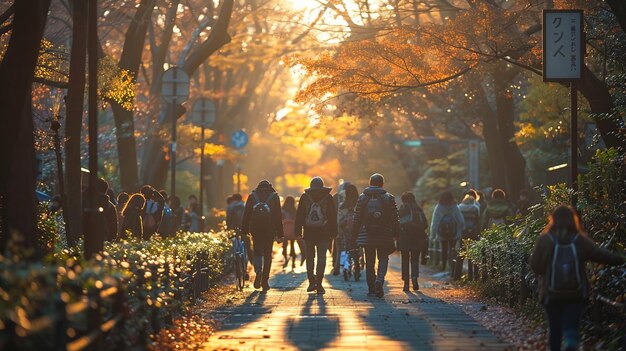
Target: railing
105	310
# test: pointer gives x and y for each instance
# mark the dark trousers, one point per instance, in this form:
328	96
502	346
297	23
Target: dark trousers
313	247
262	255
472	269
410	258
447	251
372	275
338	246
563	320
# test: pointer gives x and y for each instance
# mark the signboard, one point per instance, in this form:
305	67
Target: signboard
239	139
563	45
175	85
473	148
203	112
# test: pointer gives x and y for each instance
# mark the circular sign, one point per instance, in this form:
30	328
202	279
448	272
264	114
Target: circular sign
239	139
175	85
203	112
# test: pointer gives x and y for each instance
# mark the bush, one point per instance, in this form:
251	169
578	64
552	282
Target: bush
155	279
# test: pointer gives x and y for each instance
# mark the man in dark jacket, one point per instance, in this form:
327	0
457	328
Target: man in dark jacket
263	219
376	224
317	215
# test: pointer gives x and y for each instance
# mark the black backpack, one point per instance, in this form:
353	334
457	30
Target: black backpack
447	226
472	224
565	280
261	220
376	214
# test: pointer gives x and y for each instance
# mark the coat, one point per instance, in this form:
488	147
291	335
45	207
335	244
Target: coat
321	196
468	208
133	223
495	209
415	238
264	191
365	236
438	214
586	249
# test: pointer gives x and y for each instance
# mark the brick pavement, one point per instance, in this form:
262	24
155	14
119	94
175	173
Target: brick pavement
289	318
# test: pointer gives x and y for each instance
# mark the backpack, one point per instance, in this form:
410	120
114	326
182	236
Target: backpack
235	216
375	214
564	272
472	224
405	215
261	220
447	226
148	219
316	215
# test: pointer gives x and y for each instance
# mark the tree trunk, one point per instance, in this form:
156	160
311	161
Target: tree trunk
130	59
514	163
597	93
17	144
491	136
74	121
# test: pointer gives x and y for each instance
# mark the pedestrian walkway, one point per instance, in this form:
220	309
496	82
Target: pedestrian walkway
289	318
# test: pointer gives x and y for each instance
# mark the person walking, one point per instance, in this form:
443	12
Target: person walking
559	258
316	221
263	219
447	226
497	210
377	226
192	215
132	213
346	203
234	212
109	215
289	228
412	241
153	210
166	228
177	213
471	216
122	199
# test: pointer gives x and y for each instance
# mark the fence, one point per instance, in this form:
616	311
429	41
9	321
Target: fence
89	323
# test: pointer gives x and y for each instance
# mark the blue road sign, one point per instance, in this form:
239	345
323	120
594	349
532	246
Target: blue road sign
239	139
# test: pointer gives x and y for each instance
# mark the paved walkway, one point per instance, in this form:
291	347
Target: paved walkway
289	318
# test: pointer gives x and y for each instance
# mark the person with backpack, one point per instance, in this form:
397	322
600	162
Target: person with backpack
132	213
263	219
346	202
234	212
471	215
153	211
317	218
497	210
559	259
447	226
289	229
413	241
166	228
377	226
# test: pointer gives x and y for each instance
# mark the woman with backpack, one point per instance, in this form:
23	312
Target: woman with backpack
317	218
471	215
412	241
289	221
559	259
447	226
346	203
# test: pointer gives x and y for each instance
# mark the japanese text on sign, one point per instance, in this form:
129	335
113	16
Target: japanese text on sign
562	45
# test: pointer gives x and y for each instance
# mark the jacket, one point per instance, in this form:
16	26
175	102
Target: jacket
586	249
415	238
321	196
264	191
438	214
234	214
154	206
495	209
133	223
377	239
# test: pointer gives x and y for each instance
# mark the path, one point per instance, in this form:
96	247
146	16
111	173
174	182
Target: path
289	318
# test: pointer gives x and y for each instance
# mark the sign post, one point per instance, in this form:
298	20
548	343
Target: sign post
174	90
563	60
203	114
239	139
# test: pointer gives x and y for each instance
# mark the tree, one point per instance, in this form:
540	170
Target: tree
17	164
